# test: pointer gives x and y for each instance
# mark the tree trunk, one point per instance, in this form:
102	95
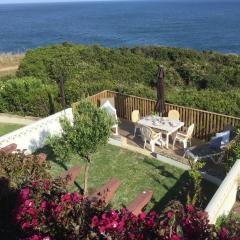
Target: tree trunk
87	166
62	93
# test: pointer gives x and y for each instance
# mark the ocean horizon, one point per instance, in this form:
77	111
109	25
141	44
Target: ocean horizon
198	25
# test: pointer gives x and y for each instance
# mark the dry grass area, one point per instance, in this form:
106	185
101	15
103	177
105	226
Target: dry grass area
9	63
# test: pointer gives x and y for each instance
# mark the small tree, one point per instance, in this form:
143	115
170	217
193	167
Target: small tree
89	131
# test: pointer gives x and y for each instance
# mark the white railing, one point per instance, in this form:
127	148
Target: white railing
225	197
33	136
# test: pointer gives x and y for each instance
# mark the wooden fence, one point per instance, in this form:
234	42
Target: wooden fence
206	123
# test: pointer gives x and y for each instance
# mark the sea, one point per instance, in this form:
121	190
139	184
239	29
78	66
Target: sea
201	25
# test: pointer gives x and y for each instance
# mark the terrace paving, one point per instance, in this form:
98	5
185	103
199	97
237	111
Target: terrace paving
135	143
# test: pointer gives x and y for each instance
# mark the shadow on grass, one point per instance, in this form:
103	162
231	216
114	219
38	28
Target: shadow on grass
180	189
51	156
177	192
162	169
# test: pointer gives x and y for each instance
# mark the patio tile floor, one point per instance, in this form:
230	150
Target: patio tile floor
126	129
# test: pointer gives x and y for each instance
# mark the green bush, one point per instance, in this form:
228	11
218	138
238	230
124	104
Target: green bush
205	80
28	96
233	152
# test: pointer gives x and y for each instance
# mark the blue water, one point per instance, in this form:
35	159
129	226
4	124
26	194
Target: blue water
198	25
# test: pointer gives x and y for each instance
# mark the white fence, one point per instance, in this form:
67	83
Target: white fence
225	197
33	136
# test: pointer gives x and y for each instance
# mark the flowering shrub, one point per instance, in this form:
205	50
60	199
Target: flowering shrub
123	224
46	211
15	169
179	222
175	223
230	226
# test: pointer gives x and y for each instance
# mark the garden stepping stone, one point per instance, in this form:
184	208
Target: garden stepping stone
72	173
106	192
9	148
138	203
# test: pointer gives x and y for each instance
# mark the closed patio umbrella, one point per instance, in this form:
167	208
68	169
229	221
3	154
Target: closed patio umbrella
160	105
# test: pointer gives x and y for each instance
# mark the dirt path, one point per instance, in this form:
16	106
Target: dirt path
11	118
12	68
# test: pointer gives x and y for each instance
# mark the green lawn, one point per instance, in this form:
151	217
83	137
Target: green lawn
136	172
8	127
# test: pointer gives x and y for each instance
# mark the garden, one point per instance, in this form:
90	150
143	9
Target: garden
35	204
136	172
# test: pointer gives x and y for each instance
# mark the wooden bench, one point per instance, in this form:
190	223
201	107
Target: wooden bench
72	173
106	192
9	148
138	203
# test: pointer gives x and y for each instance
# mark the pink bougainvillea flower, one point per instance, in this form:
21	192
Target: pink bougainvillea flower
29	203
76	197
142	215
152	214
114	224
66	197
46	238
131	236
223	233
34	223
104	216
170	214
35	237
45	184
58	209
24	193
95	221
25	225
43	205
102	229
190	208
31	211
175	237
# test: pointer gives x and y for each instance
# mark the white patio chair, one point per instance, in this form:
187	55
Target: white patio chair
135	117
174	115
148	135
184	137
112	112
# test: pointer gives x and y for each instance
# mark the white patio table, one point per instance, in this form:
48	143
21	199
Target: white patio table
164	125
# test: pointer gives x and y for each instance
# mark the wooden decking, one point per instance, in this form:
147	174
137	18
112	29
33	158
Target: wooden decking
126	129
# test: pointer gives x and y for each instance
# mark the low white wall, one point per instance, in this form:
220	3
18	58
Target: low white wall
225	197
33	136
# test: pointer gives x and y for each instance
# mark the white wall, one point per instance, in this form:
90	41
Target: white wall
33	136
225	197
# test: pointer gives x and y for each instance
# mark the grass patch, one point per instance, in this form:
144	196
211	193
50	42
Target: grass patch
136	172
8	127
